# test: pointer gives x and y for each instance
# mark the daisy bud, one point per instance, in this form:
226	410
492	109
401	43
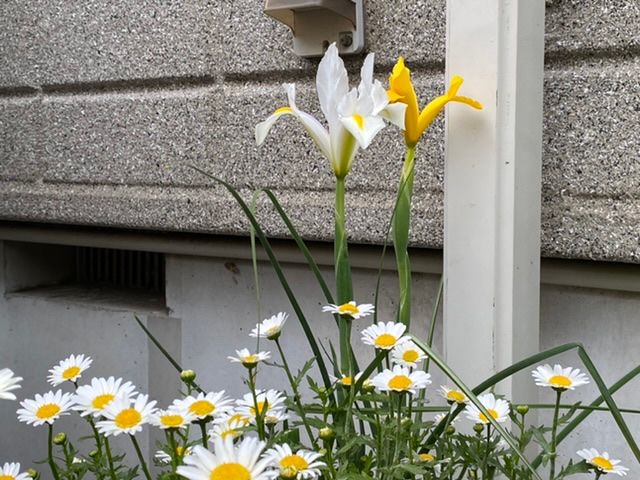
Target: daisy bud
322	451
450	430
60	439
478	428
368	387
327	434
33	473
187	376
94	453
405	422
522	409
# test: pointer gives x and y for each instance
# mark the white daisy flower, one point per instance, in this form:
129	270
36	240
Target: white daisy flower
441	416
231	426
400	379
171	418
275	416
212	404
559	378
452	395
344	380
11	471
270	328
497	407
45	408
385	335
8	382
270	404
407	354
302	465
164	458
602	462
124	415
92	399
227	462
69	370
350	309
248	359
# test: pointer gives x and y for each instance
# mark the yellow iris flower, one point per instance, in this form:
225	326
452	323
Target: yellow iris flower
416	121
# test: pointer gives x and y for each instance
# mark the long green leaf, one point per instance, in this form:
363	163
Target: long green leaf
280	274
308	257
164	351
474	399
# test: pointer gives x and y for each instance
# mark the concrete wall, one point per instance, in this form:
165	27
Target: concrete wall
211	307
104	105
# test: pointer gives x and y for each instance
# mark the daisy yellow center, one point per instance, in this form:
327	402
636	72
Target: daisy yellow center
294	461
359	120
47	411
273	330
410	356
602	463
346	381
250	359
71	372
202	408
102	401
7	477
348	308
455	396
238	418
426	457
560	381
230	471
231	431
180	451
128	418
282	110
400	382
385	340
171	420
492	412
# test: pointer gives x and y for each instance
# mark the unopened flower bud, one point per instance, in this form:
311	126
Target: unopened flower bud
33	473
450	430
327	434
322	451
478	428
368	387
187	376
60	439
522	409
94	453
405	422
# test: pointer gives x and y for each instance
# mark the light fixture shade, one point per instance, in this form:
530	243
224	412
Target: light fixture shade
317	23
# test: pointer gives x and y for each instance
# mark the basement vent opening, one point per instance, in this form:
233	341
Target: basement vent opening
126	269
123	279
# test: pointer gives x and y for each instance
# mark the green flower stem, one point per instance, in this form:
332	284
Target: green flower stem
396	453
344	287
52	464
598	474
296	395
143	464
401	225
259	417
174	450
485	461
554	430
203	432
107	449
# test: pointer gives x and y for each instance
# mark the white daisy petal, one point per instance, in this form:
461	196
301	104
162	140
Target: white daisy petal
271	327
401	379
11	471
69	370
385	336
602	462
8	382
559	378
45	408
497	407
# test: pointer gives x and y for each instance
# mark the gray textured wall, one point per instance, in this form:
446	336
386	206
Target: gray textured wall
103	105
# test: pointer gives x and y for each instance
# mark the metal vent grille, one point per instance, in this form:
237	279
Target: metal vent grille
125	269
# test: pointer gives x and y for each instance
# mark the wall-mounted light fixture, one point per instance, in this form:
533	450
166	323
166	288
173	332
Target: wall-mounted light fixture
318	23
